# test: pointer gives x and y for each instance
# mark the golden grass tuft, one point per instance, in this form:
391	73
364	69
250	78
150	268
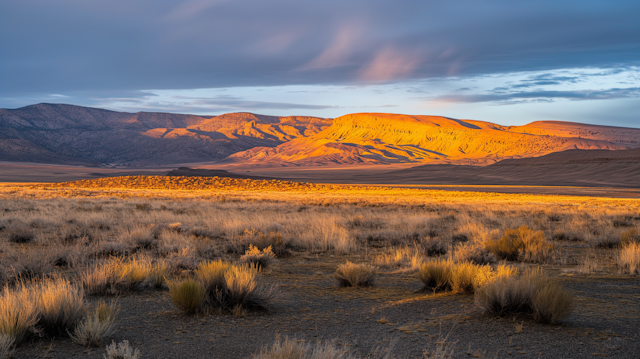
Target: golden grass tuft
116	274
436	274
96	325
158	273
628	259
257	258
231	287
104	278
121	350
18	312
211	275
7	343
241	288
136	270
521	244
355	275
531	294
550	302
292	349
60	305
187	295
463	277
629	236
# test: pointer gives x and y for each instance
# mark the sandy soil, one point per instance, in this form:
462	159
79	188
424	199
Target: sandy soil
311	307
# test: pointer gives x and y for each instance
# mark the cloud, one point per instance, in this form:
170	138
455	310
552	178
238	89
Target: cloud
545	96
237	103
338	52
70	46
389	64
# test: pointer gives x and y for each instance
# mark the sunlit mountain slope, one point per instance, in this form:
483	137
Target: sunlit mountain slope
389	138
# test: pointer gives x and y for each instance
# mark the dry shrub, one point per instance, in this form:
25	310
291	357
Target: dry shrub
115	274
18	312
205	248
433	246
260	240
6	346
20	235
230	287
28	264
187	295
463	277
112	249
561	235
60	305
587	267
531	294
121	351
355	275
140	238
466	277
521	244
400	257
472	252
158	274
242	290
173	242
211	275
257	258
96	325
550	302
136	270
629	236
607	243
629	259
75	233
292	349
436	274
104	278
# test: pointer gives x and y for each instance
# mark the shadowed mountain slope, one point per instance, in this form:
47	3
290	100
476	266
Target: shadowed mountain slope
56	133
378	138
599	168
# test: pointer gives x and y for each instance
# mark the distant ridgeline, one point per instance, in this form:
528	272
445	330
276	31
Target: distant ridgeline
66	134
52	133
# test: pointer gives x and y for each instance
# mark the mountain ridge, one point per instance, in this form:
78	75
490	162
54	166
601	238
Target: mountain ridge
391	138
60	133
69	134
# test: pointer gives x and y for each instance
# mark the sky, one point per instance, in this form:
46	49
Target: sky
503	61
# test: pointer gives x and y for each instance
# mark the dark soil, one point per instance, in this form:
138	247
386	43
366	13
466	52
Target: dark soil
310	306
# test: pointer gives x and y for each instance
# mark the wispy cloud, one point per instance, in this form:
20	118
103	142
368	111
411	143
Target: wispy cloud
537	96
339	51
389	64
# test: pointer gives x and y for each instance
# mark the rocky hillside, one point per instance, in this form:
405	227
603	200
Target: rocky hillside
388	138
54	133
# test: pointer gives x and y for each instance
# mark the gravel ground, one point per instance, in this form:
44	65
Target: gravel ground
391	315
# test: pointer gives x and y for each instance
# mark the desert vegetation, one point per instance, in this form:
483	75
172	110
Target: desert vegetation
216	247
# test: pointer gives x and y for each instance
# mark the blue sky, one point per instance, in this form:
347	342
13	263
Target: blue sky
510	62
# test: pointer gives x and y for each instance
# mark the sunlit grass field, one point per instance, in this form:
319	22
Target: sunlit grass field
209	241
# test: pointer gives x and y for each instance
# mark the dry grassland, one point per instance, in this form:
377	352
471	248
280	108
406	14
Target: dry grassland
219	247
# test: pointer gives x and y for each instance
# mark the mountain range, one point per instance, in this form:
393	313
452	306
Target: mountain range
67	134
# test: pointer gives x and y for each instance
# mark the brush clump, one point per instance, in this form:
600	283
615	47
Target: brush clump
531	294
355	275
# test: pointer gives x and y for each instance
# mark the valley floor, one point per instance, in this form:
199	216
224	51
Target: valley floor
310	307
51	230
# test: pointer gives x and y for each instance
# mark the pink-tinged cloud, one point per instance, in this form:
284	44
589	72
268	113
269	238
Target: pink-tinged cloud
389	64
339	51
